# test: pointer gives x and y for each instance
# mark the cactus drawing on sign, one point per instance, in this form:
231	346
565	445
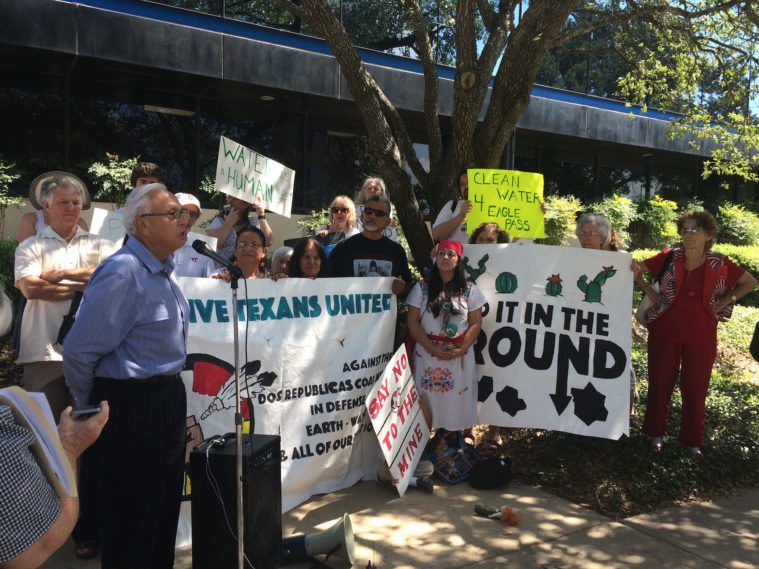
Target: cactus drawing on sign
472	273
506	283
553	287
593	288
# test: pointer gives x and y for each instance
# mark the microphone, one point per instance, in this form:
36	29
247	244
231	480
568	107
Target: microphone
200	246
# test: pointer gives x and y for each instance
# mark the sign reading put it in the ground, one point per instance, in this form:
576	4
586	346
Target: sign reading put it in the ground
509	198
252	177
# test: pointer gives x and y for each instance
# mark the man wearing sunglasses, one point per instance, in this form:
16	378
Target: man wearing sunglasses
128	346
187	261
370	253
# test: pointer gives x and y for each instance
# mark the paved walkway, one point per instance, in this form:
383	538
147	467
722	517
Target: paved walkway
441	532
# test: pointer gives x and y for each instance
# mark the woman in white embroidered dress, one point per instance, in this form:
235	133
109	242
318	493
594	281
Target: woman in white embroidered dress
445	317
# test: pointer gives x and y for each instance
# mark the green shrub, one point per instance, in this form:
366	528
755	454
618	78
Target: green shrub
655	225
622	478
113	179
7	259
746	257
560	219
308	224
620	210
737	225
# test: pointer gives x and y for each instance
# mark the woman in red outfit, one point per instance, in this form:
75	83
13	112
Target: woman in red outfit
698	288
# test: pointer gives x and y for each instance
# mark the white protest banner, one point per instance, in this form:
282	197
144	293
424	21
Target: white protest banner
108	224
396	414
243	173
310	353
554	351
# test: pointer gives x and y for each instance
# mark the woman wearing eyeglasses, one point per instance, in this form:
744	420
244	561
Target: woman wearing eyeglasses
342	222
698	289
250	250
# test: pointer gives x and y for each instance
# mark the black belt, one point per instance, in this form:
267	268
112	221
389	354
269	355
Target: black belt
151	379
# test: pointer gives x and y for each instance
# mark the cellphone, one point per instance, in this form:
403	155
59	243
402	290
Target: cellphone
227	208
84	412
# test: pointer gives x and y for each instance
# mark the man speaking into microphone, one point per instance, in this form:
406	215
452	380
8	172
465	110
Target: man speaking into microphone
128	346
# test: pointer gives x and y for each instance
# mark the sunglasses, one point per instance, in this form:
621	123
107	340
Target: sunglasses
374	212
687	230
339	210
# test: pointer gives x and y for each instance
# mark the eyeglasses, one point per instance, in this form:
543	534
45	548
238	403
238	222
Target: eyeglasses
172	213
339	210
687	230
246	244
375	212
581	234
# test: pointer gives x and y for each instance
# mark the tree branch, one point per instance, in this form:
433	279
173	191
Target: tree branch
431	108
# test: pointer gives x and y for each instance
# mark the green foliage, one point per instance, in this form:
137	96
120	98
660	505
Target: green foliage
623	478
8	175
560	219
7	261
746	257
656	226
308	224
113	178
620	210
738	226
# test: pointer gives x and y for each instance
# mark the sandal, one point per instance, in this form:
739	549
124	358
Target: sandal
86	549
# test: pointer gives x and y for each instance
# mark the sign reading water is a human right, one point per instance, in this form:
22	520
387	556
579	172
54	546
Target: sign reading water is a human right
509	198
396	413
554	349
252	177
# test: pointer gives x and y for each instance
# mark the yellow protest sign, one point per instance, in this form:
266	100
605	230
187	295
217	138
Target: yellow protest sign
509	198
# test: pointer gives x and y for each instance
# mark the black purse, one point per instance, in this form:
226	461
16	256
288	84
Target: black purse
754	346
68	320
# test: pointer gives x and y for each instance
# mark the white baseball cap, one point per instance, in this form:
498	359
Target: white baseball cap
187	199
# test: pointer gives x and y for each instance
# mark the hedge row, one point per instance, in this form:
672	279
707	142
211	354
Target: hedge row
746	257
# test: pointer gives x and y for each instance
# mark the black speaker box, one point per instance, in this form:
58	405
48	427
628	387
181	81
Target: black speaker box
213	545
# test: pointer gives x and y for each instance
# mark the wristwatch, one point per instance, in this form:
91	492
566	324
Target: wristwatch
261	217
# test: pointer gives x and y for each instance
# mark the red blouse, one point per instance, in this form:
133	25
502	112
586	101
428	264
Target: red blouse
687	321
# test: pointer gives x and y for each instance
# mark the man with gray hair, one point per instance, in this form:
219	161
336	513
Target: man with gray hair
371	253
128	346
50	268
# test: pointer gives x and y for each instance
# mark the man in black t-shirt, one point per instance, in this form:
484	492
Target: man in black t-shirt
370	253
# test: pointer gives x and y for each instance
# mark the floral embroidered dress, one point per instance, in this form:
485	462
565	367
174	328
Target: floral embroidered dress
448	386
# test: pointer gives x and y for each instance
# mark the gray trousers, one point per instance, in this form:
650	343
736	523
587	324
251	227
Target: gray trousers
47	377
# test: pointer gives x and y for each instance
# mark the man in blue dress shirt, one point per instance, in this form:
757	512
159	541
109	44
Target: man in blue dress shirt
128	346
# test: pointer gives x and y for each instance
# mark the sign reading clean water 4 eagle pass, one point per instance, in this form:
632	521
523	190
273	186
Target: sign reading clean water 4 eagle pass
252	177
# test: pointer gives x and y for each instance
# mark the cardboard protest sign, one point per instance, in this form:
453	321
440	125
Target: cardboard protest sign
554	350
509	198
397	418
110	225
243	173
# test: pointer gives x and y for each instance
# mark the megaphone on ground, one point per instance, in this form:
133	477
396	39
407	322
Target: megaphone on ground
335	540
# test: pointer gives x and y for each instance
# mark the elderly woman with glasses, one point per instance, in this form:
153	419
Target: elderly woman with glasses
698	289
594	231
250	250
342	222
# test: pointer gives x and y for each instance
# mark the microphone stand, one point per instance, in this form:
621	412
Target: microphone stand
233	281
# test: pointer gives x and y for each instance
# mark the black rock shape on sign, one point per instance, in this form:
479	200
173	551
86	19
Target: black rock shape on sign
589	404
484	388
509	401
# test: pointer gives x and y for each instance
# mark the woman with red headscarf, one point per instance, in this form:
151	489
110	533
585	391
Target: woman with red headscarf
444	317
